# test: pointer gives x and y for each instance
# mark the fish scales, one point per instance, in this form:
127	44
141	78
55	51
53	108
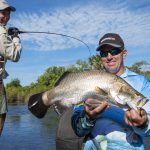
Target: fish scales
74	86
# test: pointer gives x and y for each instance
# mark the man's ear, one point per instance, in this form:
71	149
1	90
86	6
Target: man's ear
125	52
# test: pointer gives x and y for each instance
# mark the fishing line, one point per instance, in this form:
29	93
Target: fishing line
59	35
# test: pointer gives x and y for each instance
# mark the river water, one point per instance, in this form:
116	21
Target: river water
23	131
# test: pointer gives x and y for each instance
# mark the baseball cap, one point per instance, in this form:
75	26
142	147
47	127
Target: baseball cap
112	39
4	5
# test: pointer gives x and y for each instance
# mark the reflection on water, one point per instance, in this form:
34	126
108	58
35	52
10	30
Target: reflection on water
23	131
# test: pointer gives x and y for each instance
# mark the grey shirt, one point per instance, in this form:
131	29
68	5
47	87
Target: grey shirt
10	49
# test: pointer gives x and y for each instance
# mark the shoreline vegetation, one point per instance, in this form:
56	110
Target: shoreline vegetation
18	94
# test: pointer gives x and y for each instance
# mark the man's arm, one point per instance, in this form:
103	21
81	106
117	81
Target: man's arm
10	46
80	123
84	117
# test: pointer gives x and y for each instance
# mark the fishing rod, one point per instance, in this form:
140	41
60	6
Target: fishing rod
20	32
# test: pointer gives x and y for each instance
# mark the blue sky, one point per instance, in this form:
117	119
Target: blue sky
87	20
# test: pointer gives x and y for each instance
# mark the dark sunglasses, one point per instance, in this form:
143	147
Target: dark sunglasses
113	52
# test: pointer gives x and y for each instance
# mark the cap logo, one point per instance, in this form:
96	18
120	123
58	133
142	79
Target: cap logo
108	38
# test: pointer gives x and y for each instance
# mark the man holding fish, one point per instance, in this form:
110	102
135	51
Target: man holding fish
107	126
111	107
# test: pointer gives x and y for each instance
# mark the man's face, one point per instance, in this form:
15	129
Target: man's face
113	63
4	16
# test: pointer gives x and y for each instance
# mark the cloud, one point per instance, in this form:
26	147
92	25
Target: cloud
88	23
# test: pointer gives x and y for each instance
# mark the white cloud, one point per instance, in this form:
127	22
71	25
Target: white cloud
88	22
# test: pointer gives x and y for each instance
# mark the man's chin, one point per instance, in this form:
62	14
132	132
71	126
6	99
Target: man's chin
3	24
111	70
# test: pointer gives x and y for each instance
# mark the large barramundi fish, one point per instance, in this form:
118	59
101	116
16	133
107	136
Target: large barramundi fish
74	88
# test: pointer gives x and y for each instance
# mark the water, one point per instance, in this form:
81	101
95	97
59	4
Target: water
23	131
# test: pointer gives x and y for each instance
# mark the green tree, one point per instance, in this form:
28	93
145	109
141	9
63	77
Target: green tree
79	66
51	75
95	62
14	91
14	83
137	67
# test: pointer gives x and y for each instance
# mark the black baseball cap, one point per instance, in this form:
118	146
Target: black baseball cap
112	39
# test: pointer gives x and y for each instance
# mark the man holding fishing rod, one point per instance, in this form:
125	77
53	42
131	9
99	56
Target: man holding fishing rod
10	49
111	127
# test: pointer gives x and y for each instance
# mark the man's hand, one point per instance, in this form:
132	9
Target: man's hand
13	31
137	118
92	111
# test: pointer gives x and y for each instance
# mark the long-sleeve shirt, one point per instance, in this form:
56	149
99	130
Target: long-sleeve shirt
109	130
10	49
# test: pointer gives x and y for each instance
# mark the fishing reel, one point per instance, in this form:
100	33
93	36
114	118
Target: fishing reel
13	31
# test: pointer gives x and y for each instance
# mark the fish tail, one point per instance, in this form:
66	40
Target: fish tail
36	105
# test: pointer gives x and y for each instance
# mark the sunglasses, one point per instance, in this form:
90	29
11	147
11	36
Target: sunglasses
113	52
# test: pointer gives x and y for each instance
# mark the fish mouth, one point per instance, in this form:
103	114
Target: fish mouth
137	103
141	102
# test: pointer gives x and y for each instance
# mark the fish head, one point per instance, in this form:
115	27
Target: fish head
127	97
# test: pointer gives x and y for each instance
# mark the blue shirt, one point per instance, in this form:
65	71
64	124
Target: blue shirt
111	124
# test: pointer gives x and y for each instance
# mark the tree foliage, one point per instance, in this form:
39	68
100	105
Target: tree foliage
95	62
137	67
14	83
50	76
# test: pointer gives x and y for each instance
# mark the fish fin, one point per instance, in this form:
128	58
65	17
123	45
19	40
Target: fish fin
121	88
120	101
124	89
100	91
118	86
66	73
59	109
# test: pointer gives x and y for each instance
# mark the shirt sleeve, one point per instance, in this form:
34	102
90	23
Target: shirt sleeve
10	48
146	92
81	125
146	88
